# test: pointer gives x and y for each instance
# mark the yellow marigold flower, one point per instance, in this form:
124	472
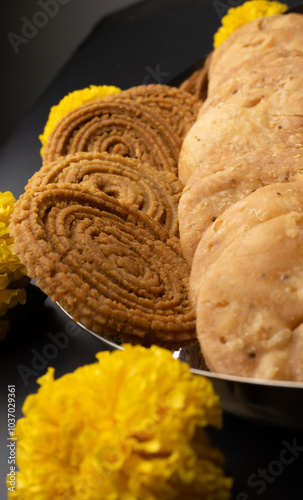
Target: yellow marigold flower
243	14
11	269
72	101
129	427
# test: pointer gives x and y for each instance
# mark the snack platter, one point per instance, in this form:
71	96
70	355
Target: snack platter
268	402
271	402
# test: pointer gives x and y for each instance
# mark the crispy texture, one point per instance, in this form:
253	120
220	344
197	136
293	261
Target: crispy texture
175	106
241	211
141	186
142	123
259	102
271	201
262	77
252	39
110	266
229	176
249	303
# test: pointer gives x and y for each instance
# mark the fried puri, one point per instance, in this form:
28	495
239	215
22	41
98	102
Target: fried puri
259	103
252	40
229	176
249	302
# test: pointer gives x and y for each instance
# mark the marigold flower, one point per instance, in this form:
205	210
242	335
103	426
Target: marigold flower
129	427
243	14
12	271
72	101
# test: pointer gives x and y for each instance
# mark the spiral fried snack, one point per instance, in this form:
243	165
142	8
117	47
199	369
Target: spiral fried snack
172	105
145	124
249	303
143	187
118	128
110	266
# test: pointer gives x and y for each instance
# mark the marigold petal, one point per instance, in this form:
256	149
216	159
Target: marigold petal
11	269
129	427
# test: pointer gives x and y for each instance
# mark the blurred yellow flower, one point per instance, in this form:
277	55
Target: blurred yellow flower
12	271
72	101
129	427
243	14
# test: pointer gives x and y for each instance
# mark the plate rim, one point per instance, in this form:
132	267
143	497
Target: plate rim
210	375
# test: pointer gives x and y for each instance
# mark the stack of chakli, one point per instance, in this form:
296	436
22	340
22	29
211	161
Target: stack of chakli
148	123
97	225
241	210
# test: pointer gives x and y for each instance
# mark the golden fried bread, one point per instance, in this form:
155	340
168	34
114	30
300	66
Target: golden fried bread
262	34
229	176
241	210
116	128
249	303
259	78
264	99
237	125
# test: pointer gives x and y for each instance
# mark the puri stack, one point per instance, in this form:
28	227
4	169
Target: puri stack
241	211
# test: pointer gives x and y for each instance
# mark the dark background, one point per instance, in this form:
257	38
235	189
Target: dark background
35	47
151	41
30	62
